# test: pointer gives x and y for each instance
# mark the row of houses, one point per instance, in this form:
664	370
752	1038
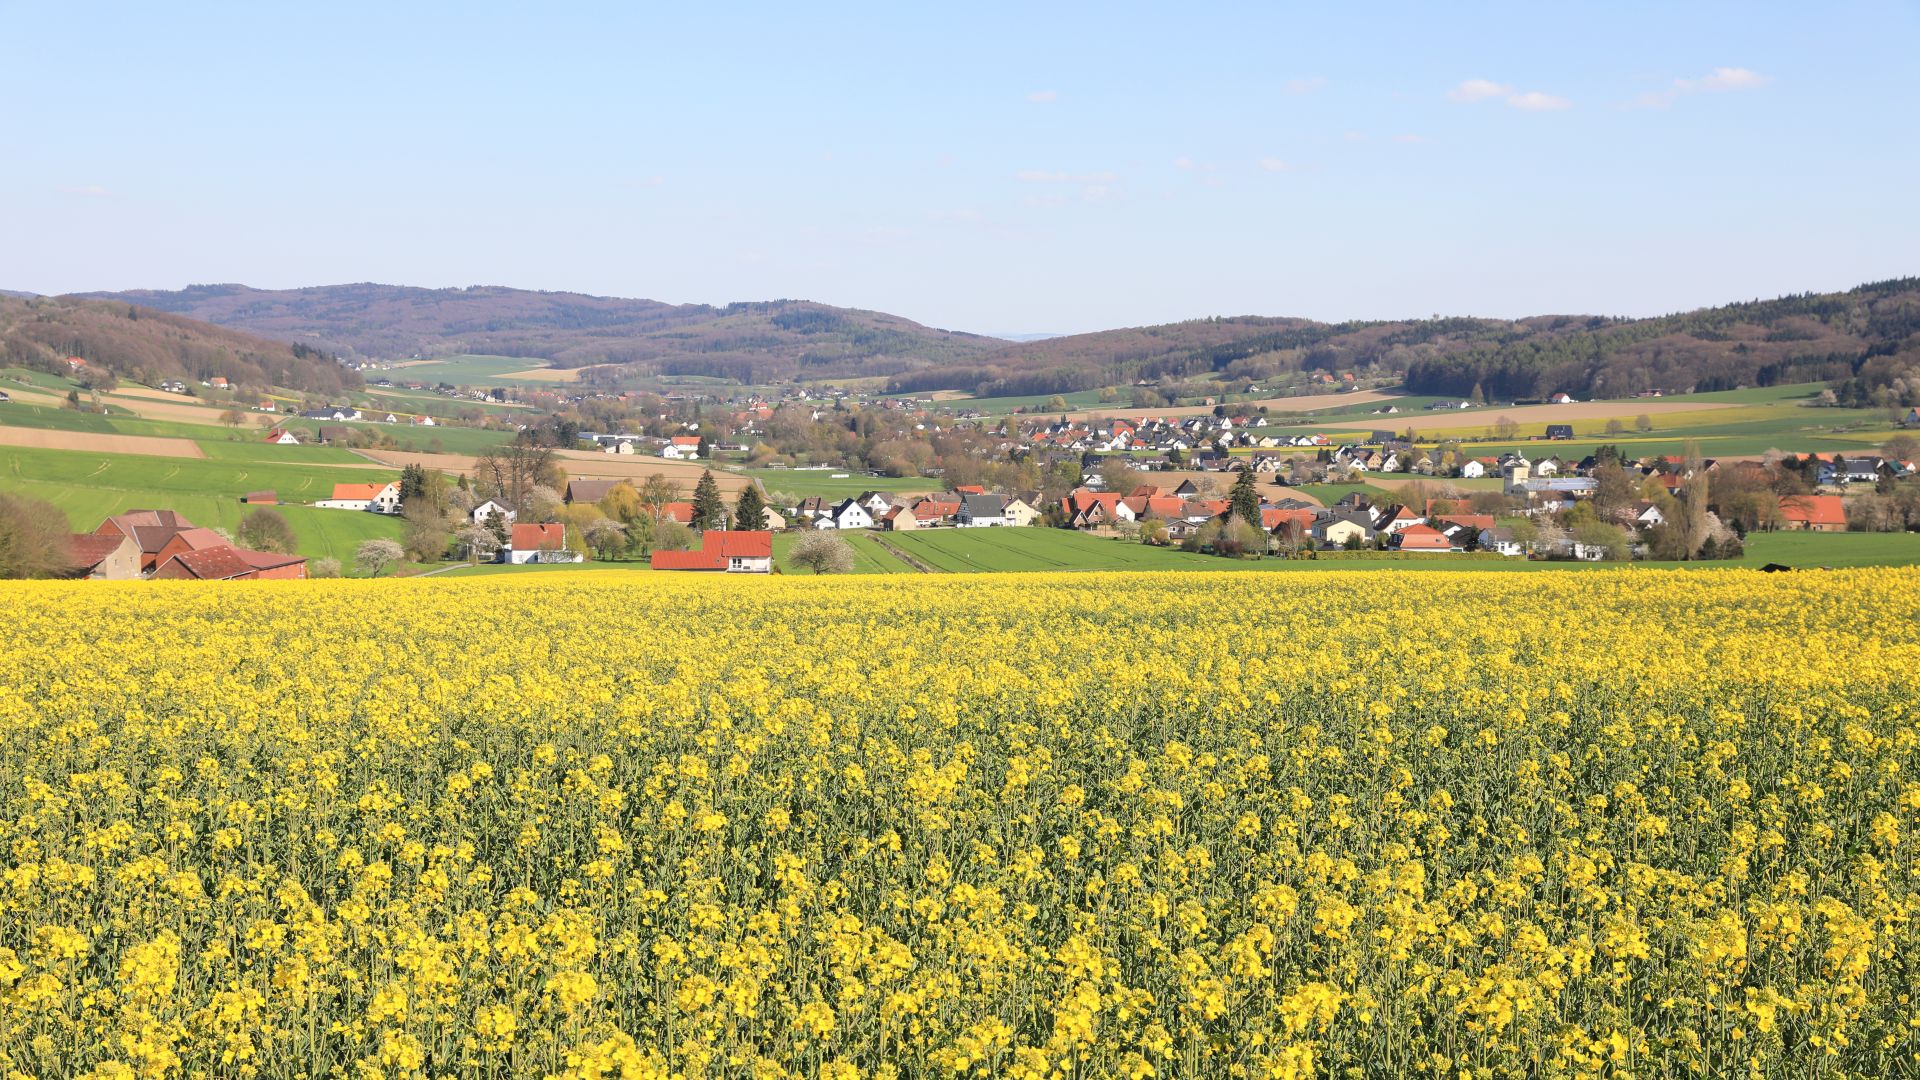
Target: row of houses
968	507
163	545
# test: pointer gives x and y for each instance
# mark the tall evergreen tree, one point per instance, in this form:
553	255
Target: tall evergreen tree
708	511
413	482
750	510
705	449
1243	501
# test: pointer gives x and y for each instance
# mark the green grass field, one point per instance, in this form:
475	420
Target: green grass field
868	556
472	370
89	487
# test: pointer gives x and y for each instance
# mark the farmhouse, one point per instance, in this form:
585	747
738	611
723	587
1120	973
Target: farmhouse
1559	431
228	563
848	515
732	552
981	512
681	448
113	557
1814	513
491	509
1421	538
900	519
378	498
544	543
588	491
282	437
154	542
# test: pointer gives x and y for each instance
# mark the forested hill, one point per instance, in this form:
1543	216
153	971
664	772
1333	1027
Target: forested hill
752	342
1868	337
147	346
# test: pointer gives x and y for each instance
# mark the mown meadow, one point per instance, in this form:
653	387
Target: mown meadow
1556	824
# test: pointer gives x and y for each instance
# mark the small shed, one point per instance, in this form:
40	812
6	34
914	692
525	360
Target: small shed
260	498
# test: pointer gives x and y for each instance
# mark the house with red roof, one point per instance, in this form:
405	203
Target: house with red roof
96	557
155	542
228	563
378	498
538	543
723	551
1421	538
1087	509
681	448
1814	513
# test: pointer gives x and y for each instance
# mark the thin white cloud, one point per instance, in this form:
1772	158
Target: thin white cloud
1722	80
1472	90
1355	136
1308	85
1184	164
1725	78
1043	97
90	190
1535	101
1411	140
1274	164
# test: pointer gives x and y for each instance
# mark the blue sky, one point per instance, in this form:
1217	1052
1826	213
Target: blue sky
998	168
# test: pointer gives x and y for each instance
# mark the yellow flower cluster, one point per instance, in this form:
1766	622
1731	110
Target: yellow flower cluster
1049	826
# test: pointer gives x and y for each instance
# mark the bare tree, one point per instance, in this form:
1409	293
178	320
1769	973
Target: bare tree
33	538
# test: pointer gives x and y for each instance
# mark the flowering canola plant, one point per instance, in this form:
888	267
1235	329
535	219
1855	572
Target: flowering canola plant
1353	824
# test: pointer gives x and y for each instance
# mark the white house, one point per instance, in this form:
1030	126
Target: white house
681	448
283	437
851	515
378	498
489	509
539	544
981	512
1471	469
1019	513
1502	541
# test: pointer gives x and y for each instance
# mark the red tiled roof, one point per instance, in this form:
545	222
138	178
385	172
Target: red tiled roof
550	536
716	548
209	564
1422	538
268	560
1814	509
124	524
88	550
686	440
358	491
739	544
681	512
1272	517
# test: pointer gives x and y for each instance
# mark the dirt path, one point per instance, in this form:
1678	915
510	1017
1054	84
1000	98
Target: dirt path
98	442
580	465
1527	416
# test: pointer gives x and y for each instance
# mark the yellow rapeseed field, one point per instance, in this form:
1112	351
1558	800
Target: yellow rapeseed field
1348	824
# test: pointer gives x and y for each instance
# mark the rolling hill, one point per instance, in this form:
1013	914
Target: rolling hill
147	346
1865	340
1868	336
753	342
